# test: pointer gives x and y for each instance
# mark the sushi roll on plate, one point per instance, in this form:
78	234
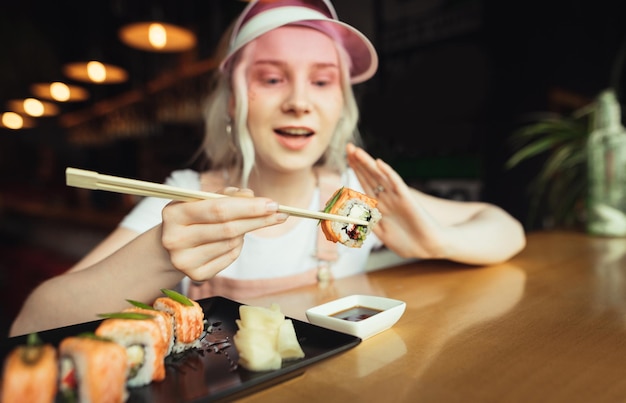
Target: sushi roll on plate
164	320
140	335
30	373
350	203
188	319
92	369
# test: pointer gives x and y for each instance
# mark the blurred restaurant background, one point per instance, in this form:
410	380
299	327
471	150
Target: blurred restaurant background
456	78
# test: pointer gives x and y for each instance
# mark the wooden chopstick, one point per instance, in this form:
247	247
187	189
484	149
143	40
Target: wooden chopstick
93	180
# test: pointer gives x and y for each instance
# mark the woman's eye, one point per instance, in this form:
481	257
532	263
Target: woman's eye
272	80
324	79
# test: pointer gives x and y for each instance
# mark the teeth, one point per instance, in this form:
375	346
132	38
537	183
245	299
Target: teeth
294	132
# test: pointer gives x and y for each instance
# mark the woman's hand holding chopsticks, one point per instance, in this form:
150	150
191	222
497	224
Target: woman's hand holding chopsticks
203	237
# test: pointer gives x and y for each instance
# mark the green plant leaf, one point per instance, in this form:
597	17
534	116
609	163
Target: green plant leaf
558	190
533	149
557	160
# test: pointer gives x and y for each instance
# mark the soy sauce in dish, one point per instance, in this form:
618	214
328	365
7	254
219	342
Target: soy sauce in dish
356	313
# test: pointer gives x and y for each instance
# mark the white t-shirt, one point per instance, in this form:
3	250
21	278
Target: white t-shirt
290	253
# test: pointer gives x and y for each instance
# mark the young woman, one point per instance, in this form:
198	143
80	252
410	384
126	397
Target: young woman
280	123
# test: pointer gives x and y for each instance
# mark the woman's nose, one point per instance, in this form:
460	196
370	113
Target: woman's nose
297	101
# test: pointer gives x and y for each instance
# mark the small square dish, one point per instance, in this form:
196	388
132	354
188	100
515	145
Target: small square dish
358	315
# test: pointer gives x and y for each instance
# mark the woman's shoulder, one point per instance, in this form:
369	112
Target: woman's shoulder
350	180
184	178
347	178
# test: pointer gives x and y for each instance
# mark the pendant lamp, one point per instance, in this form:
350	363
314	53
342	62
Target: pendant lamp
59	91
157	36
95	72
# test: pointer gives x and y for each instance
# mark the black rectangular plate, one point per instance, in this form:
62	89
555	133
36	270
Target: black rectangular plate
210	373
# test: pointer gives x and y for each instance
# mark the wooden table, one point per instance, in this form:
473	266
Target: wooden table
547	326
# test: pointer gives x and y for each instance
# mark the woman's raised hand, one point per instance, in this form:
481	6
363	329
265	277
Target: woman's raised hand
204	237
406	227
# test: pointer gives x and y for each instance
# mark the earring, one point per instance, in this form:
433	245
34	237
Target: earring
229	128
229	133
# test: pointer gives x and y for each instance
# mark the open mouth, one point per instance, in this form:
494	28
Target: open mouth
294	139
294	132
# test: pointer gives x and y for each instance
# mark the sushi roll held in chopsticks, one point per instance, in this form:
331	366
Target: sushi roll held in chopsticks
188	319
92	370
30	373
350	203
140	335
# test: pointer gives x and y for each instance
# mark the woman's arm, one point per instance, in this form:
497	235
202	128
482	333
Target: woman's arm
415	224
136	271
196	239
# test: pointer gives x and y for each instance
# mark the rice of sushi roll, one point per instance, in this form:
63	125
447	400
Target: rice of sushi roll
188	319
30	373
350	203
164	320
145	347
92	370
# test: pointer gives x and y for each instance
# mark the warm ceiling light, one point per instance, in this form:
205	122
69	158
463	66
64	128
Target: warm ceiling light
95	72
12	120
15	121
59	91
157	37
33	107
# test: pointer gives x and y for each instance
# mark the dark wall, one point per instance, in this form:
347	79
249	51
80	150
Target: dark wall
458	77
535	48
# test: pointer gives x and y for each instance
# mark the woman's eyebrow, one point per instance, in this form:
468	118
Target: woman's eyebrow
320	65
329	65
269	62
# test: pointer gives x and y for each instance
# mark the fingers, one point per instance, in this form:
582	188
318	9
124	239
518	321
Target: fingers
219	210
178	235
376	177
237	192
195	223
204	237
205	261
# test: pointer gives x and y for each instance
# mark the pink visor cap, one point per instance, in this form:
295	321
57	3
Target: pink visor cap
262	16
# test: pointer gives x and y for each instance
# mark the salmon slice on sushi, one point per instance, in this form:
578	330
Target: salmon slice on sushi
188	319
92	369
350	203
164	319
145	347
30	373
